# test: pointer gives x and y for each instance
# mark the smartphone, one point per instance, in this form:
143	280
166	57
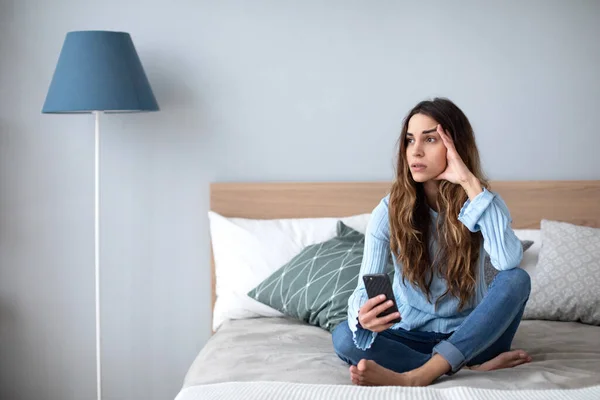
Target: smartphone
377	284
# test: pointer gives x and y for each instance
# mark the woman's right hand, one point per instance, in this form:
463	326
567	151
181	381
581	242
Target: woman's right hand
367	314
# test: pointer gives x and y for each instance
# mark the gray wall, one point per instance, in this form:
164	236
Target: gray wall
249	91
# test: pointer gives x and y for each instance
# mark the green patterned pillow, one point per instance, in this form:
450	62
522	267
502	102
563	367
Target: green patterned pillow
315	285
490	271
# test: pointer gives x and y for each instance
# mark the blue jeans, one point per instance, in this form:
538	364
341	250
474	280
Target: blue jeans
486	332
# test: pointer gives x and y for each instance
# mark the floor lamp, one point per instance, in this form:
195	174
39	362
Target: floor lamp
98	71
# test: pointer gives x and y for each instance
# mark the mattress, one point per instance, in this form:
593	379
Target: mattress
566	355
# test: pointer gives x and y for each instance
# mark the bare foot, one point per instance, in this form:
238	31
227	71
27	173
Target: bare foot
369	373
507	359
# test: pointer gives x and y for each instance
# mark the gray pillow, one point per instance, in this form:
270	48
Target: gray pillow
565	285
490	271
315	285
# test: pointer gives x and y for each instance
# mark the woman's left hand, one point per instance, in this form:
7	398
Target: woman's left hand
456	171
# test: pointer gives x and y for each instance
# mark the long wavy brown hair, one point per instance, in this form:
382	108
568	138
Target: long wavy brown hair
410	220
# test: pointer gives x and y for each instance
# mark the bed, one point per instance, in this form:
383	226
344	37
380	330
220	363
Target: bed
277	356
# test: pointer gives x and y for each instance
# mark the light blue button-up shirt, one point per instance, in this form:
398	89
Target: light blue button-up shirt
488	214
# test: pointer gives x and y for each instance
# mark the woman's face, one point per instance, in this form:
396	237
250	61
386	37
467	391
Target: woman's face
425	151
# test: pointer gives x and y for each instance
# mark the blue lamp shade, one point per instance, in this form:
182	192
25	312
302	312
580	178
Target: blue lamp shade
99	71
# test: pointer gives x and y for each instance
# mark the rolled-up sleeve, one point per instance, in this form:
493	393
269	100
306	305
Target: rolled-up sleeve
489	214
375	259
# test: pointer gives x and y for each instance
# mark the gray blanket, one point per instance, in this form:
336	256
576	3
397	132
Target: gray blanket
565	355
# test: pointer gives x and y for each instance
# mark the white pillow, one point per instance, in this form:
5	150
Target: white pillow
247	251
530	257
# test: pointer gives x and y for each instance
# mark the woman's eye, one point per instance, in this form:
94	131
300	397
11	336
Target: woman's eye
410	140
431	139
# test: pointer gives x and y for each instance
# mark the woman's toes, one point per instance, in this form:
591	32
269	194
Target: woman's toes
520	361
362	365
523	354
514	364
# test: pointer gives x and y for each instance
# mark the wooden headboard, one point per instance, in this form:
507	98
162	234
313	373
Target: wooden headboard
529	202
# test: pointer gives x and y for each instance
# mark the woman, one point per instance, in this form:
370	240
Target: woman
436	223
